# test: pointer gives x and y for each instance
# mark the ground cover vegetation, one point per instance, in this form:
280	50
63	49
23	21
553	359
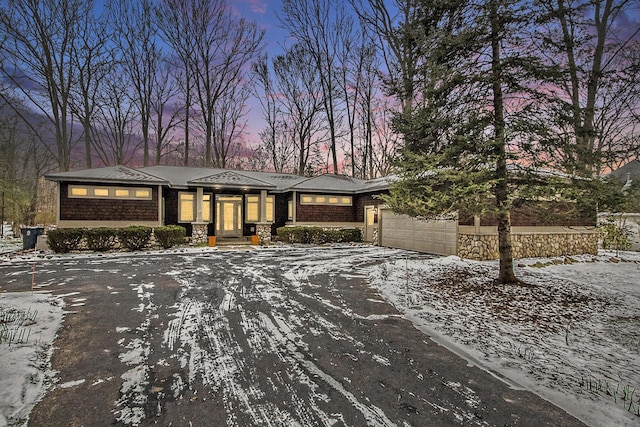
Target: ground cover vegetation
133	238
318	235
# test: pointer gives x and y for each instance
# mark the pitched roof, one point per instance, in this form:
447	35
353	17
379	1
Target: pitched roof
184	177
328	182
632	168
232	179
113	174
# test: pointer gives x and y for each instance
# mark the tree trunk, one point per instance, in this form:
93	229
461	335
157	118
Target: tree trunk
506	274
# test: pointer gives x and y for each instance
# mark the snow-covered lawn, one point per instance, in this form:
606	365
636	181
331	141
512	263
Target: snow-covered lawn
28	325
9	244
571	333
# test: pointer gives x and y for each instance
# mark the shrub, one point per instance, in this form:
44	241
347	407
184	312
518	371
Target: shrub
350	235
134	237
63	240
292	234
169	235
615	236
317	235
100	239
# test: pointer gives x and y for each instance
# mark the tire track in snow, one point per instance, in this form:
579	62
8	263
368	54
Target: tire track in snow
203	331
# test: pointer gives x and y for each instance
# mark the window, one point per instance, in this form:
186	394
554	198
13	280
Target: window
253	208
186	207
322	199
206	207
78	192
270	209
290	210
108	192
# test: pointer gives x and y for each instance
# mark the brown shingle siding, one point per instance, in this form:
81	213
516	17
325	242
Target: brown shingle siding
87	209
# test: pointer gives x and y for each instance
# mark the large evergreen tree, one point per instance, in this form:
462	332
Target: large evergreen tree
477	83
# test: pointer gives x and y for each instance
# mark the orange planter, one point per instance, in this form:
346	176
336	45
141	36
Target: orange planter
255	240
212	240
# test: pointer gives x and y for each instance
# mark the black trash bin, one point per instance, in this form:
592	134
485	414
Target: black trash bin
30	236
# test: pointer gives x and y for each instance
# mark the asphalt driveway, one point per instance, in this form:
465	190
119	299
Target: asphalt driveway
276	337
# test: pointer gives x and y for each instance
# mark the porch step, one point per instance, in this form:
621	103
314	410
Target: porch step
234	241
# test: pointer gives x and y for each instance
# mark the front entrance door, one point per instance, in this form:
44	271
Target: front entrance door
370	223
228	216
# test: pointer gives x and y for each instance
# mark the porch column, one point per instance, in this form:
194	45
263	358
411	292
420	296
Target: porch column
199	195
199	227
295	203
58	194
160	206
263	206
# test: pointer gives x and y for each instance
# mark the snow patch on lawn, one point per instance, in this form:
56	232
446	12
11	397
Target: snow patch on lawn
569	333
25	367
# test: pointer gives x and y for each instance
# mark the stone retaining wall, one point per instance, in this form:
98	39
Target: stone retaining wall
529	244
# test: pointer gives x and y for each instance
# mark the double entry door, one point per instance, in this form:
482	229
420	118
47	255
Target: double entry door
228	216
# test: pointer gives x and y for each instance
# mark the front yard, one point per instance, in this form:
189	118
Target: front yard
307	336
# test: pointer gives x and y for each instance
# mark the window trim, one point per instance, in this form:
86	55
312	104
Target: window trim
90	189
326	199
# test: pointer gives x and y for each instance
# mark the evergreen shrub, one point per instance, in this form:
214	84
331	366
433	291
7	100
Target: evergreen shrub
134	237
169	235
318	235
100	239
63	240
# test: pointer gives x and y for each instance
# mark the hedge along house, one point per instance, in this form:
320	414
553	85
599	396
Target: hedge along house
227	204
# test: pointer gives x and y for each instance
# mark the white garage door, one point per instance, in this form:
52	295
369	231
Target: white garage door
434	236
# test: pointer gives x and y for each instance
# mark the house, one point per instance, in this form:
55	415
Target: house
228	204
233	205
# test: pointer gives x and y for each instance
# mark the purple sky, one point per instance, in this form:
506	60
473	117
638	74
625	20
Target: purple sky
264	13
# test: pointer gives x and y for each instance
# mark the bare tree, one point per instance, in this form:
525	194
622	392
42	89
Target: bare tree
165	117
23	160
175	21
229	124
224	46
92	62
115	139
301	124
591	97
384	144
322	26
273	142
41	38
394	24
135	33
